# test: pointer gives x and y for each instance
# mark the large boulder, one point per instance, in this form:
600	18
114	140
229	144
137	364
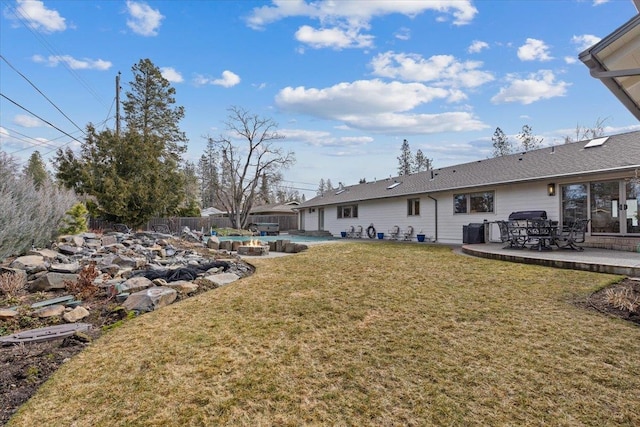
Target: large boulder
222	279
76	314
150	299
30	263
135	284
51	281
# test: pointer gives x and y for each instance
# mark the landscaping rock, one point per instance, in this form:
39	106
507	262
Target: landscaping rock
150	299
213	242
66	268
222	278
6	314
76	314
135	284
51	281
29	263
182	286
50	311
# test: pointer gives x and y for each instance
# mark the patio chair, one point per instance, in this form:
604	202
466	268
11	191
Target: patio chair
358	232
571	236
393	233
351	231
408	233
516	233
505	236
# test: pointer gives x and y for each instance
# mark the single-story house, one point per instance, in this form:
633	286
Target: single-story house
597	179
211	211
276	208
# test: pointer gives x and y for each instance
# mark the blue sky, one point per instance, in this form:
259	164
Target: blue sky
346	81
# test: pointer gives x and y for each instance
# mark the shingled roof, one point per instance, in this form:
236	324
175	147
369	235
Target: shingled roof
616	152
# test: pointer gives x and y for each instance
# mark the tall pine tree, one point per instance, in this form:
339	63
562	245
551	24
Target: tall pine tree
36	170
405	160
136	175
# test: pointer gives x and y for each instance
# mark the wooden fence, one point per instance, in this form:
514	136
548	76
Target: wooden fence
177	224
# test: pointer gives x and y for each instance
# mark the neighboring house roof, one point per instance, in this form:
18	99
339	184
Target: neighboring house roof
284	208
615	60
616	152
211	211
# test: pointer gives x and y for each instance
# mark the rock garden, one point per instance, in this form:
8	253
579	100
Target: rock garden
55	301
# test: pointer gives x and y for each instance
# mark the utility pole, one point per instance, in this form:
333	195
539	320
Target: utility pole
118	105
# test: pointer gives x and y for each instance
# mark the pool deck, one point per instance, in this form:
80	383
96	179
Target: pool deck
590	259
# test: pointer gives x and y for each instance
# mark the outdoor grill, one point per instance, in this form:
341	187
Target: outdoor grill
525	215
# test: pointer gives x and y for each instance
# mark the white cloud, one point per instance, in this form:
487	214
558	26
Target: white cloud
599	2
462	11
143	19
228	79
332	37
171	74
584	41
477	46
4	134
570	60
403	34
443	70
27	121
538	86
39	17
534	50
377	106
324	138
75	64
342	22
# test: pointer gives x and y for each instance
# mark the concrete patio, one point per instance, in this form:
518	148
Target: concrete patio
590	259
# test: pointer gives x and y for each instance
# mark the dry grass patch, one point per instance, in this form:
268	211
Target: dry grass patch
361	334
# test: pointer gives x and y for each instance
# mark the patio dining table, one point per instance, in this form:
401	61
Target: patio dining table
541	233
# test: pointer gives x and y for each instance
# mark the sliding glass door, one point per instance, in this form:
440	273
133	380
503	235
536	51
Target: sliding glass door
614	207
632	206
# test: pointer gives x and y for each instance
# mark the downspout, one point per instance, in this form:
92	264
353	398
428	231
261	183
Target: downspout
435	216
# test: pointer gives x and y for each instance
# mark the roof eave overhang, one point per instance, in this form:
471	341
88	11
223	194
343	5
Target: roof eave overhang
624	168
597	63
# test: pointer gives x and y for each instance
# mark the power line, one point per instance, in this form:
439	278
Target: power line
31	140
18	12
35	115
298	182
40	92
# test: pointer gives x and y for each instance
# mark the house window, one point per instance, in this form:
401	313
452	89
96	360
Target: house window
413	207
312	210
473	202
348	211
574	203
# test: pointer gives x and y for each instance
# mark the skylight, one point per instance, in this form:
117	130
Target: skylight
340	191
596	142
394	185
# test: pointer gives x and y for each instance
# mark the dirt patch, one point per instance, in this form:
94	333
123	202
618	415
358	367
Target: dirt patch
24	367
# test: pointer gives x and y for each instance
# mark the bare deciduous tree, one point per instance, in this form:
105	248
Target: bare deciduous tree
242	166
583	132
528	140
501	144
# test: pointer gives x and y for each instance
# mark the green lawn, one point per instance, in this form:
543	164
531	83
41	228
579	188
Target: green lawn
355	334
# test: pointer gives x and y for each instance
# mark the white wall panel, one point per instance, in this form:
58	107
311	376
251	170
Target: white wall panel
386	213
